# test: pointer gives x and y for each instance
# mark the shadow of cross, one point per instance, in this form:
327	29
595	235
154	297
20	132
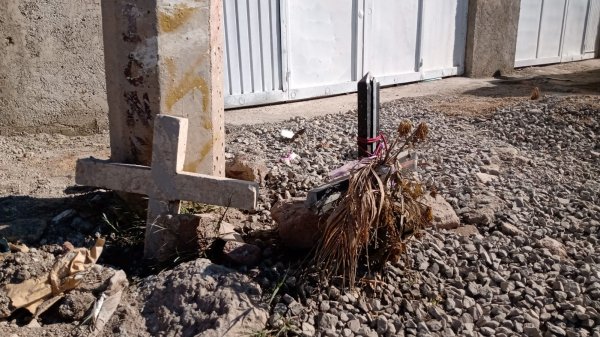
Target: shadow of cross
165	182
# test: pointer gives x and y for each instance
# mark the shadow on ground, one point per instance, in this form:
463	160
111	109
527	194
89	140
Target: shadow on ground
584	82
77	219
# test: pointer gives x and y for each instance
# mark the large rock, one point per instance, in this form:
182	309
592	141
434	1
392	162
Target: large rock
245	167
298	226
554	246
202	299
444	216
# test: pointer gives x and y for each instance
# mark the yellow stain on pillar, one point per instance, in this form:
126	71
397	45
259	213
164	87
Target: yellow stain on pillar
175	18
190	81
204	151
171	67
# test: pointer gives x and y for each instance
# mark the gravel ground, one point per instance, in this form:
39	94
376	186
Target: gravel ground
533	268
524	177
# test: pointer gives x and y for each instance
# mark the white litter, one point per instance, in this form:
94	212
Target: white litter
287	134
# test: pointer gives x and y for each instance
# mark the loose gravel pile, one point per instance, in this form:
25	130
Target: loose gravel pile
527	178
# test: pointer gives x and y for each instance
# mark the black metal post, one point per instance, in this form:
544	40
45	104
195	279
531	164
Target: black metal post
368	115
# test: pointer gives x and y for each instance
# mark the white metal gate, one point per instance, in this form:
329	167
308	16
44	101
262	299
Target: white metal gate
278	50
552	31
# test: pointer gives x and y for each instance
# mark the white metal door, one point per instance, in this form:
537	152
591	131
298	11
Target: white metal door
552	31
321	46
278	50
412	40
252	72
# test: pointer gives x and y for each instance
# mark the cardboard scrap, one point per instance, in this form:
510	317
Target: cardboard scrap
65	275
108	301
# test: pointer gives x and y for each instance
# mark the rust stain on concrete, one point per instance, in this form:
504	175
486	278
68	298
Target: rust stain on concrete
190	81
193	166
172	20
171	67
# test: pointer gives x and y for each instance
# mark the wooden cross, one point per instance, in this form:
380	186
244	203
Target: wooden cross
165	182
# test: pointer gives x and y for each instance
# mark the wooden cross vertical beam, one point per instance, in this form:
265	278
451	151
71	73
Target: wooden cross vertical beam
169	145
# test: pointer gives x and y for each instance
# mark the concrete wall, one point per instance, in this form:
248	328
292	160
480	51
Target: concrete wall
491	37
52	64
51	67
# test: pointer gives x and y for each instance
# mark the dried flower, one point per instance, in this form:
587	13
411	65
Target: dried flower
404	128
421	133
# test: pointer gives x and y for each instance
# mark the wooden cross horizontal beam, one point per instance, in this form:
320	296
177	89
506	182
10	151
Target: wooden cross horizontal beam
188	186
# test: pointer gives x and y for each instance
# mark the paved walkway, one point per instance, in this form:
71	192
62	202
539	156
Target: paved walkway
567	78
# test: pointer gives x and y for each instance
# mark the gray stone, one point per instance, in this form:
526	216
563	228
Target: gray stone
511	230
468	302
531	330
467	231
308	330
437	313
242	253
444	216
486	331
556	330
296	308
553	246
367	332
327	321
382	325
354	325
492	169
434	325
485	178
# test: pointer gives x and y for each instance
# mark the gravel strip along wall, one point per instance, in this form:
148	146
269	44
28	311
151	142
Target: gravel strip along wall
532	268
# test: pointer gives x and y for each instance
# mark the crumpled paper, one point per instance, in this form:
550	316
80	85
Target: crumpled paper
38	294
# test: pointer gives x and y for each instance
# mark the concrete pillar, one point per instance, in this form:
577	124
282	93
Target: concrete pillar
165	57
491	37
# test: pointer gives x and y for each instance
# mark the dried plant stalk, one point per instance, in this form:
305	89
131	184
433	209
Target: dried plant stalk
377	214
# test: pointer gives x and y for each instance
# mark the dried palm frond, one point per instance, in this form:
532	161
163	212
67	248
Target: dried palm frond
379	212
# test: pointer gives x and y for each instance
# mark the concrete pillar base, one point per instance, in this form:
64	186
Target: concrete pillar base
491	37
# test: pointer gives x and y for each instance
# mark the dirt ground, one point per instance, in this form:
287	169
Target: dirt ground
37	170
